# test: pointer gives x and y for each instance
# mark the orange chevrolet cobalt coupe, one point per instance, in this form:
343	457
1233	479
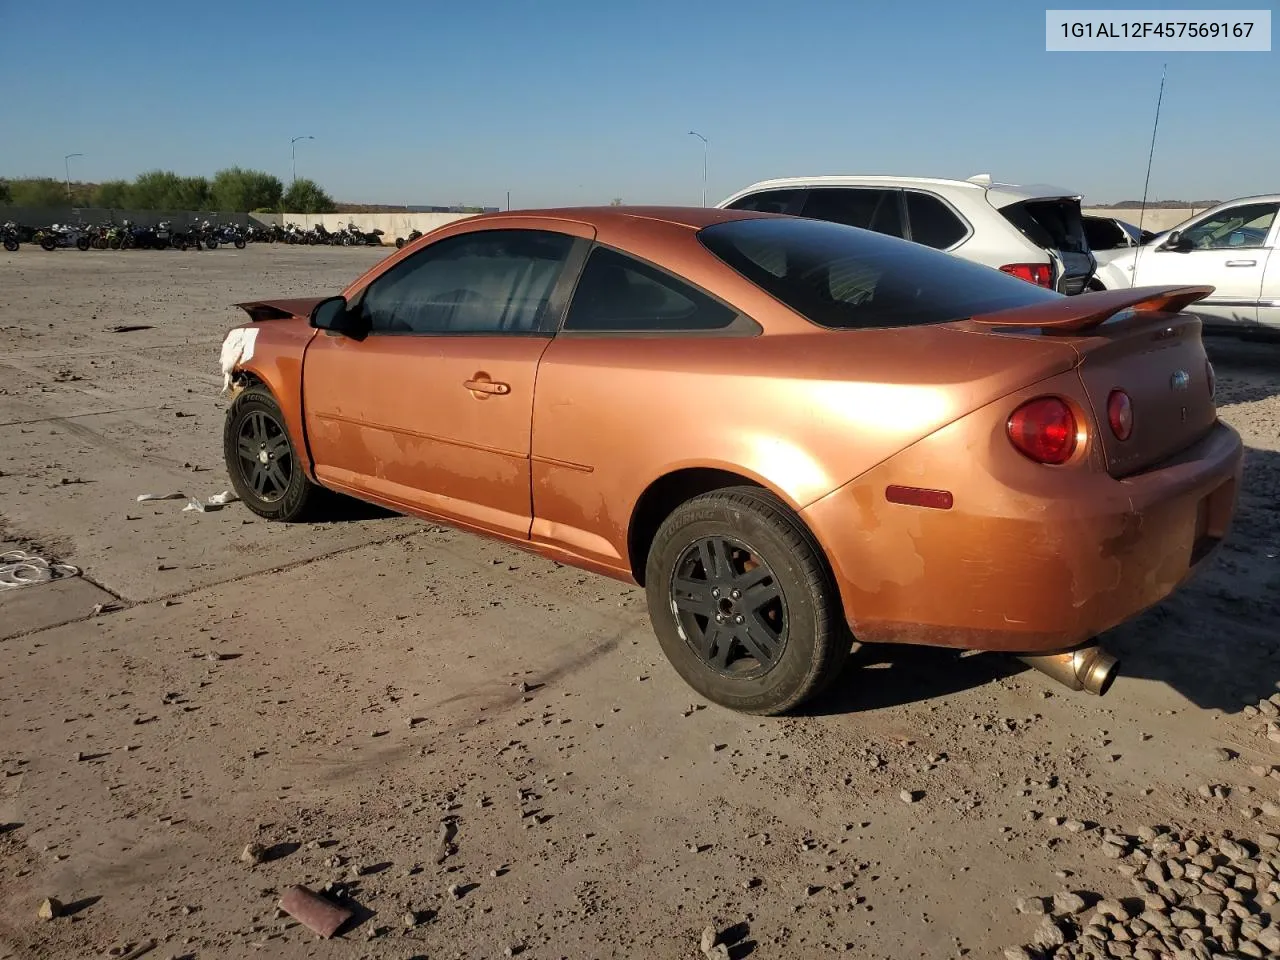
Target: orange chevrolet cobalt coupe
793	434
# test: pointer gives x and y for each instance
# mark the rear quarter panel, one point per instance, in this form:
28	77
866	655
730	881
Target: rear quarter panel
800	414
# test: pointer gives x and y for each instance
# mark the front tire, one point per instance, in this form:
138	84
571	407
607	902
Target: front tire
743	602
11	245
264	467
240	244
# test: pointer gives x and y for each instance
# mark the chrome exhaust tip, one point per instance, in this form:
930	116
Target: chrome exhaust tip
1088	668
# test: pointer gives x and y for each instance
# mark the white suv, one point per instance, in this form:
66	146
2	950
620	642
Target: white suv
1032	232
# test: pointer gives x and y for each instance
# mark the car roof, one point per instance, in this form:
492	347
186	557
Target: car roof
1000	194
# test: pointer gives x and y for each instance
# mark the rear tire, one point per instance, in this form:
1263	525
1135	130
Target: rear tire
211	244
82	244
240	244
276	488
11	246
48	244
772	588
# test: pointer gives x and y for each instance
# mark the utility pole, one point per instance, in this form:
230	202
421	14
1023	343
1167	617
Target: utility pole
694	133
67	163
293	147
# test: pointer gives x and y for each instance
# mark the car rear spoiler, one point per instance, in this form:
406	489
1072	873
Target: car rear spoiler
1078	314
283	309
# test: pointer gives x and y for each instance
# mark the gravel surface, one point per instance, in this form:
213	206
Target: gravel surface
483	754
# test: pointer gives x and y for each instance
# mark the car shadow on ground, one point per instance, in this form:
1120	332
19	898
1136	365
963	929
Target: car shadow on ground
1248	370
1216	641
341	509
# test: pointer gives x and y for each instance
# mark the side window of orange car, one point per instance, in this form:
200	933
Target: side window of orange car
487	282
617	293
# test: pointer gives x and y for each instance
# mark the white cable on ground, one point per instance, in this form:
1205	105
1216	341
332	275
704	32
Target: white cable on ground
19	569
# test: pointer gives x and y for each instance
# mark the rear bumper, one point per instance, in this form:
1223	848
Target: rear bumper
1020	564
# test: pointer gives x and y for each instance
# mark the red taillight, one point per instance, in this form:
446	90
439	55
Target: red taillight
1211	378
1037	273
1044	430
1120	413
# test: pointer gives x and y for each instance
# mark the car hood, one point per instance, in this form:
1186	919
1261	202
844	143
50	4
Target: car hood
284	308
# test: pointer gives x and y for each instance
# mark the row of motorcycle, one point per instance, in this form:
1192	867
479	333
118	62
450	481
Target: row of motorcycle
123	236
202	235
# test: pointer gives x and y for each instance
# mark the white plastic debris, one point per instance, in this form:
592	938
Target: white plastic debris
237	349
216	502
161	496
20	569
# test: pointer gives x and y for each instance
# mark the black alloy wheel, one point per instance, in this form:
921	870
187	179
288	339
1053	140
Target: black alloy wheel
743	601
263	464
266	458
730	607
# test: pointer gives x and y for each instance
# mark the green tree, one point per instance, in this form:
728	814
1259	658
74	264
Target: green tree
114	195
155	190
305	196
243	190
38	192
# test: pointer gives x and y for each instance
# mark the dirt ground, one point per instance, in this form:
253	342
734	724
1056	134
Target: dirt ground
335	692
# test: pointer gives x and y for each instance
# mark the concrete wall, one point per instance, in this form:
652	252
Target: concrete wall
1154	220
44	216
392	225
395	225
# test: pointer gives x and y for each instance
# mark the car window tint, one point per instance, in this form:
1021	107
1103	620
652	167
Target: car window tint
766	201
933	223
1104	234
493	281
617	293
876	210
1243	226
844	278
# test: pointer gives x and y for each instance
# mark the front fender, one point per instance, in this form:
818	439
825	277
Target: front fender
273	357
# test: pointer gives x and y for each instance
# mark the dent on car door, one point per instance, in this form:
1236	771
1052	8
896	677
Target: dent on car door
431	409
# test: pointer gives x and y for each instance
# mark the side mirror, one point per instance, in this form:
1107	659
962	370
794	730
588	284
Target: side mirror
332	314
1177	242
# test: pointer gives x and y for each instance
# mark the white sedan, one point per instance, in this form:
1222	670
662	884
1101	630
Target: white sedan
1231	247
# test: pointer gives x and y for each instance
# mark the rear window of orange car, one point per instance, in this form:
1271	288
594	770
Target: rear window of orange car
846	278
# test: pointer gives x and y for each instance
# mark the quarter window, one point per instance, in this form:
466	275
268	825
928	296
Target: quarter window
1243	226
876	210
933	223
767	201
619	293
488	282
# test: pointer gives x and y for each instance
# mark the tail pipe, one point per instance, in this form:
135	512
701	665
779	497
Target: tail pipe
1088	668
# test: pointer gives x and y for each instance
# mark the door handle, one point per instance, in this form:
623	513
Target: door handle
1242	263
487	387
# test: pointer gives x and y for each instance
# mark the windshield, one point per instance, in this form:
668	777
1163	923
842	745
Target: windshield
846	278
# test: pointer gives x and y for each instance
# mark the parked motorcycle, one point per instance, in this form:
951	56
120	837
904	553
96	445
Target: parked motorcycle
163	235
193	237
226	233
413	235
9	234
358	238
61	235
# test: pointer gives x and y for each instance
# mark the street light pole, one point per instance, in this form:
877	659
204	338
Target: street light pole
293	148
67	163
694	133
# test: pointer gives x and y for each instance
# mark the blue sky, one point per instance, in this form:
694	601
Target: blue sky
565	101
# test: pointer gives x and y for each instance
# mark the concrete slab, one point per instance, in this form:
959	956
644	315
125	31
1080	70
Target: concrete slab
43	605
